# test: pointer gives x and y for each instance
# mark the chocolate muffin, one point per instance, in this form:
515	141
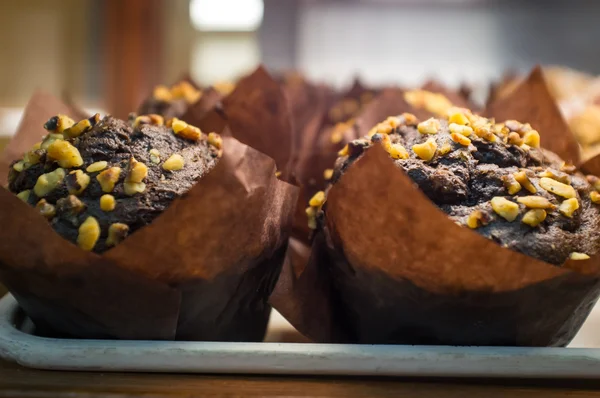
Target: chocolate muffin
96	181
491	177
170	102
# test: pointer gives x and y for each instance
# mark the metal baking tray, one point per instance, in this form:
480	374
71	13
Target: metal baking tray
580	360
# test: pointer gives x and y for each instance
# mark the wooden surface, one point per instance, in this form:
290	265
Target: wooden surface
16	381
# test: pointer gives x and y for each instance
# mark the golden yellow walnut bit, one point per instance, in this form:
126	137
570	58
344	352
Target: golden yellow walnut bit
48	182
511	184
515	139
426	150
311	213
152	119
70	207
534	217
82	126
513	125
185	90
501	130
76	182
408	119
444	149
344	151
24	195
327	174
131	188
505	208
137	171
595	197
458	116
535	202
215	140
108	178
459	129
317	200
483	129
50	139
32	157
19	166
568	207
461	139
594	181
556	175
65	154
58	124
107	202
557	188
173	163
162	93
277	174
117	232
397	151
154	156
429	126
46	209
97	166
184	130
477	218
532	138
578	256
89	232
523	179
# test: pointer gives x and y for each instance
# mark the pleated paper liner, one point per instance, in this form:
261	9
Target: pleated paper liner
203	270
390	267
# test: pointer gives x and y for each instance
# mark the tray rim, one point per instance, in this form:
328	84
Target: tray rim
289	358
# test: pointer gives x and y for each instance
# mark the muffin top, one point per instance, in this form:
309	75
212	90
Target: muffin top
96	181
491	177
170	102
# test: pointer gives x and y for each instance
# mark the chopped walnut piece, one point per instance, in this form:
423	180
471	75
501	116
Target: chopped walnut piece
595	197
137	171
445	148
174	162
19	166
535	202
46	209
397	151
46	183
317	200
117	232
426	150
532	138
484	129
97	166
515	139
343	151
65	154
477	218
461	139
578	256
505	208
24	195
429	126
131	188
555	175
534	217
107	202
215	140
76	182
594	181
557	188
82	126
184	130
327	174
50	139
108	178
58	124
459	129
311	213
458	116
69	208
568	168
89	232
511	184
523	179
155	155
408	119
568	207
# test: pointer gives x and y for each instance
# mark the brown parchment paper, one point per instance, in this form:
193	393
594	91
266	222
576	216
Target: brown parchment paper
203	270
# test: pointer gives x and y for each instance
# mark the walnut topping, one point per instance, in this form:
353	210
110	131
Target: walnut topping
477	218
116	233
513	125
397	151
458	116
215	140
82	126
131	188
460	129
59	123
501	130
595	197
154	156
534	217
76	182
173	163
107	202
523	179
429	126
578	256
444	149
46	183
65	154
97	166
505	208
426	150
461	139
327	174
408	119
568	207
343	151
557	188
433	102
32	157
187	91
594	181
89	232
511	184
24	195
70	207
162	93
46	209
19	166
317	200
515	139
535	202
484	129
50	139
152	119
385	127
555	175
567	168
137	171
184	130
311	213
108	178
532	138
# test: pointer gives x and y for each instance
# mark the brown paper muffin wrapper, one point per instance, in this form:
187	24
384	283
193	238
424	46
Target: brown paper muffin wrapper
390	267
203	270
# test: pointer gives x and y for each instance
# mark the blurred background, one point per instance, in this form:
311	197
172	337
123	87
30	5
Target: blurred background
108	54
